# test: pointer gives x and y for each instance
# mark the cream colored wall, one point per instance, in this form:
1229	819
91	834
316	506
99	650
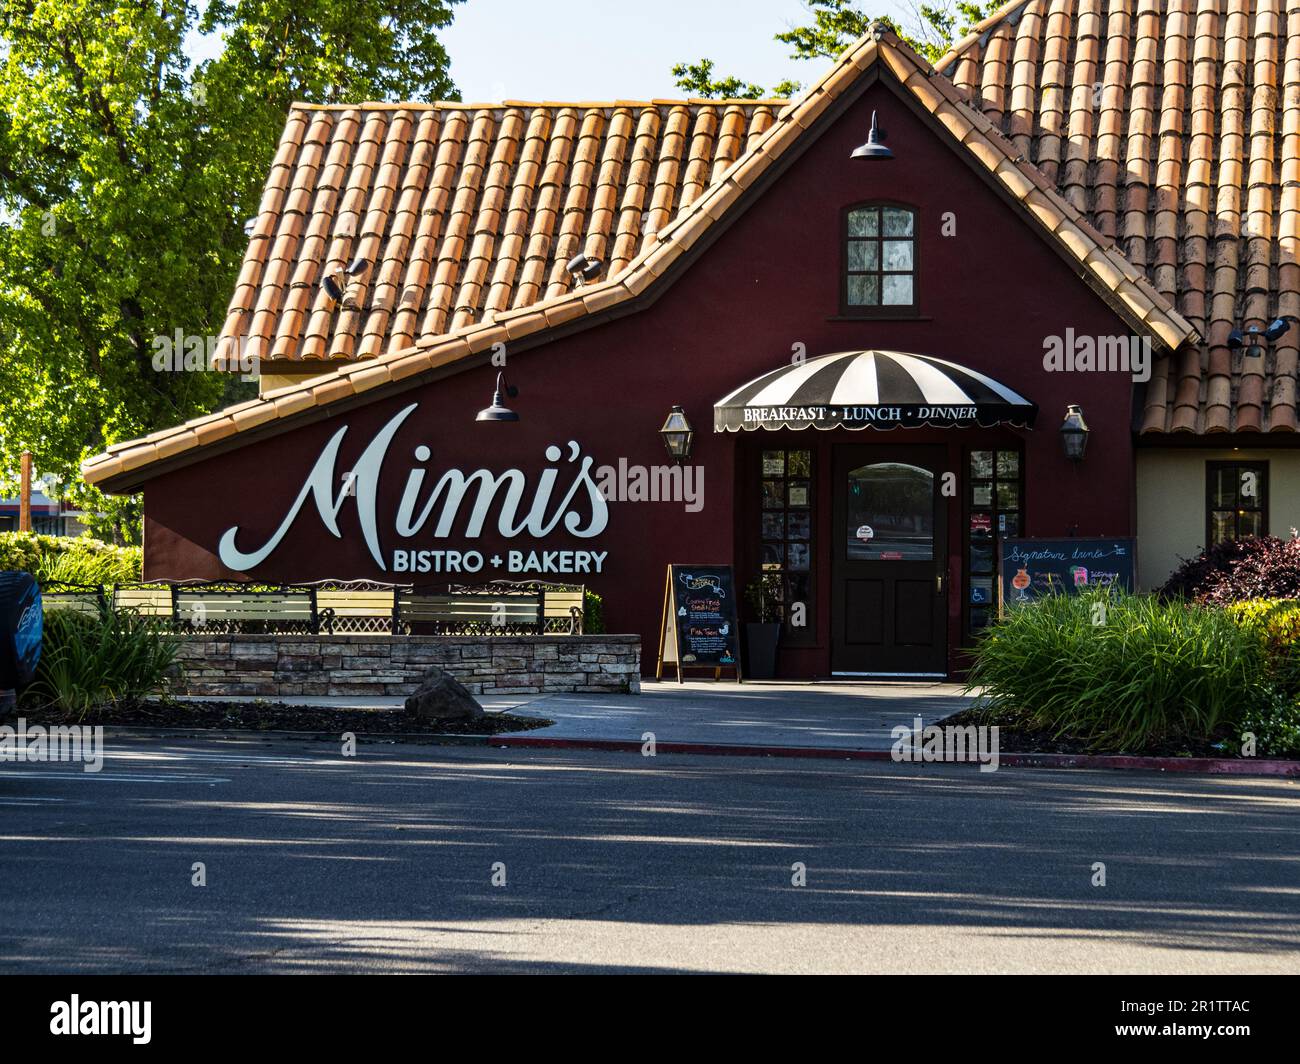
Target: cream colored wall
1171	502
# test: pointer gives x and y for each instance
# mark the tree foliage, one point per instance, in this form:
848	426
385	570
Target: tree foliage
126	174
697	79
835	25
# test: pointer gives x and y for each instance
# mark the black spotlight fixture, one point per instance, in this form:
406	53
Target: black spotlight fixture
498	411
1074	433
1279	327
332	289
358	266
1252	339
677	435
584	268
874	148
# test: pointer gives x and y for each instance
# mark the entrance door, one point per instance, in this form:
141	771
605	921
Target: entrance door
889	606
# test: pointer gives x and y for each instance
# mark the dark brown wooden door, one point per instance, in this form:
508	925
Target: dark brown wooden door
890	559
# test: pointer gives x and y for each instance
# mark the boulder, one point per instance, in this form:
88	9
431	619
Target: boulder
440	696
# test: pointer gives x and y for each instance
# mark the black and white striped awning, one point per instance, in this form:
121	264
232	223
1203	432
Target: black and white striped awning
871	389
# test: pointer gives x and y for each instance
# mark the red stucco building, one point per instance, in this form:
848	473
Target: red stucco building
978	284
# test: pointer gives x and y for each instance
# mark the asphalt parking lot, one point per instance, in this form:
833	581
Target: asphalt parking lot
418	858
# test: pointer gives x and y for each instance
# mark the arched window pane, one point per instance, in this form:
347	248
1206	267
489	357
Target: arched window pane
898	222
864	222
890	512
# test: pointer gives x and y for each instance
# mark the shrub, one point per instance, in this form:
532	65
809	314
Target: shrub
1275	724
89	659
763	596
593	613
1278	619
69	559
1276	622
1119	670
1239	570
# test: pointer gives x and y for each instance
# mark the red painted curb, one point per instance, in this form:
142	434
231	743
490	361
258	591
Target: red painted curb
1203	765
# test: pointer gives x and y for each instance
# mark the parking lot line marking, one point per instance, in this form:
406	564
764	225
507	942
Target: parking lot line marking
28	801
124	777
228	758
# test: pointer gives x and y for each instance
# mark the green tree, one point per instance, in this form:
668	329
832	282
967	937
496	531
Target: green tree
126	174
696	79
835	25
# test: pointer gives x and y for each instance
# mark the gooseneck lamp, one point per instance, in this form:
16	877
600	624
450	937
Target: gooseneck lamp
498	411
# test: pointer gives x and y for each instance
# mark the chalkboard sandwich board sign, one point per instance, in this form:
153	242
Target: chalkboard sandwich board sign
699	628
1030	569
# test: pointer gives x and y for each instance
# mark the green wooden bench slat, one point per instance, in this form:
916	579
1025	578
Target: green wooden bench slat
149	601
558	604
200	608
356	603
539	608
70	601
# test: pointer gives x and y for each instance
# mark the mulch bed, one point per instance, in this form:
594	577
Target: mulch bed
276	716
1016	737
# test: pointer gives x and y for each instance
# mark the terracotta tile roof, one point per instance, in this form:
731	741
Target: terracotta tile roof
485	270
1174	125
462	212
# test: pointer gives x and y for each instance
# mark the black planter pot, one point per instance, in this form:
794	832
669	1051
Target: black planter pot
760	650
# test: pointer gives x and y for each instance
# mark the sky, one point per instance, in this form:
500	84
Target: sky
612	49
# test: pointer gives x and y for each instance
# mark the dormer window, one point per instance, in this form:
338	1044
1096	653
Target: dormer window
879	260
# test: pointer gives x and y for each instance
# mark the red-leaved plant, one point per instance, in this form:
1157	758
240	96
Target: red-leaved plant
1239	570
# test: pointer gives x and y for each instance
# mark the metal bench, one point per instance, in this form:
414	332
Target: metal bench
495	608
564	609
358	608
77	597
225	611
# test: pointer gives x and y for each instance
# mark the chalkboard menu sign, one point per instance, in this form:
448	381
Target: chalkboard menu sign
699	628
1033	568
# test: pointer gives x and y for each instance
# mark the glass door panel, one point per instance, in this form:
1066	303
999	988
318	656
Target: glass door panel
890	513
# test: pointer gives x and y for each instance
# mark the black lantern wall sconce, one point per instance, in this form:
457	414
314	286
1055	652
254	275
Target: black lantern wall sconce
1074	433
678	436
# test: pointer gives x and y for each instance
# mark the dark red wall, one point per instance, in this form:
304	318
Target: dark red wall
988	297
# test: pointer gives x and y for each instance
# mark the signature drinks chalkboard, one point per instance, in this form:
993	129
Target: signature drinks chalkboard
699	628
1033	568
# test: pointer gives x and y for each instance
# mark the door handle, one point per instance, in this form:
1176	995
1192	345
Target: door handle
938	583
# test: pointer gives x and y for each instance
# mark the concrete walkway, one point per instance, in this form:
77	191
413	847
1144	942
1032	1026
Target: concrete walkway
840	716
849	716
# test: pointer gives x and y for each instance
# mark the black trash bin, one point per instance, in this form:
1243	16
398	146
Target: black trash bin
21	625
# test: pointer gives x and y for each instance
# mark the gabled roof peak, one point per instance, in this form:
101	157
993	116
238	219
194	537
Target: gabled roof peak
1175	127
465	264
